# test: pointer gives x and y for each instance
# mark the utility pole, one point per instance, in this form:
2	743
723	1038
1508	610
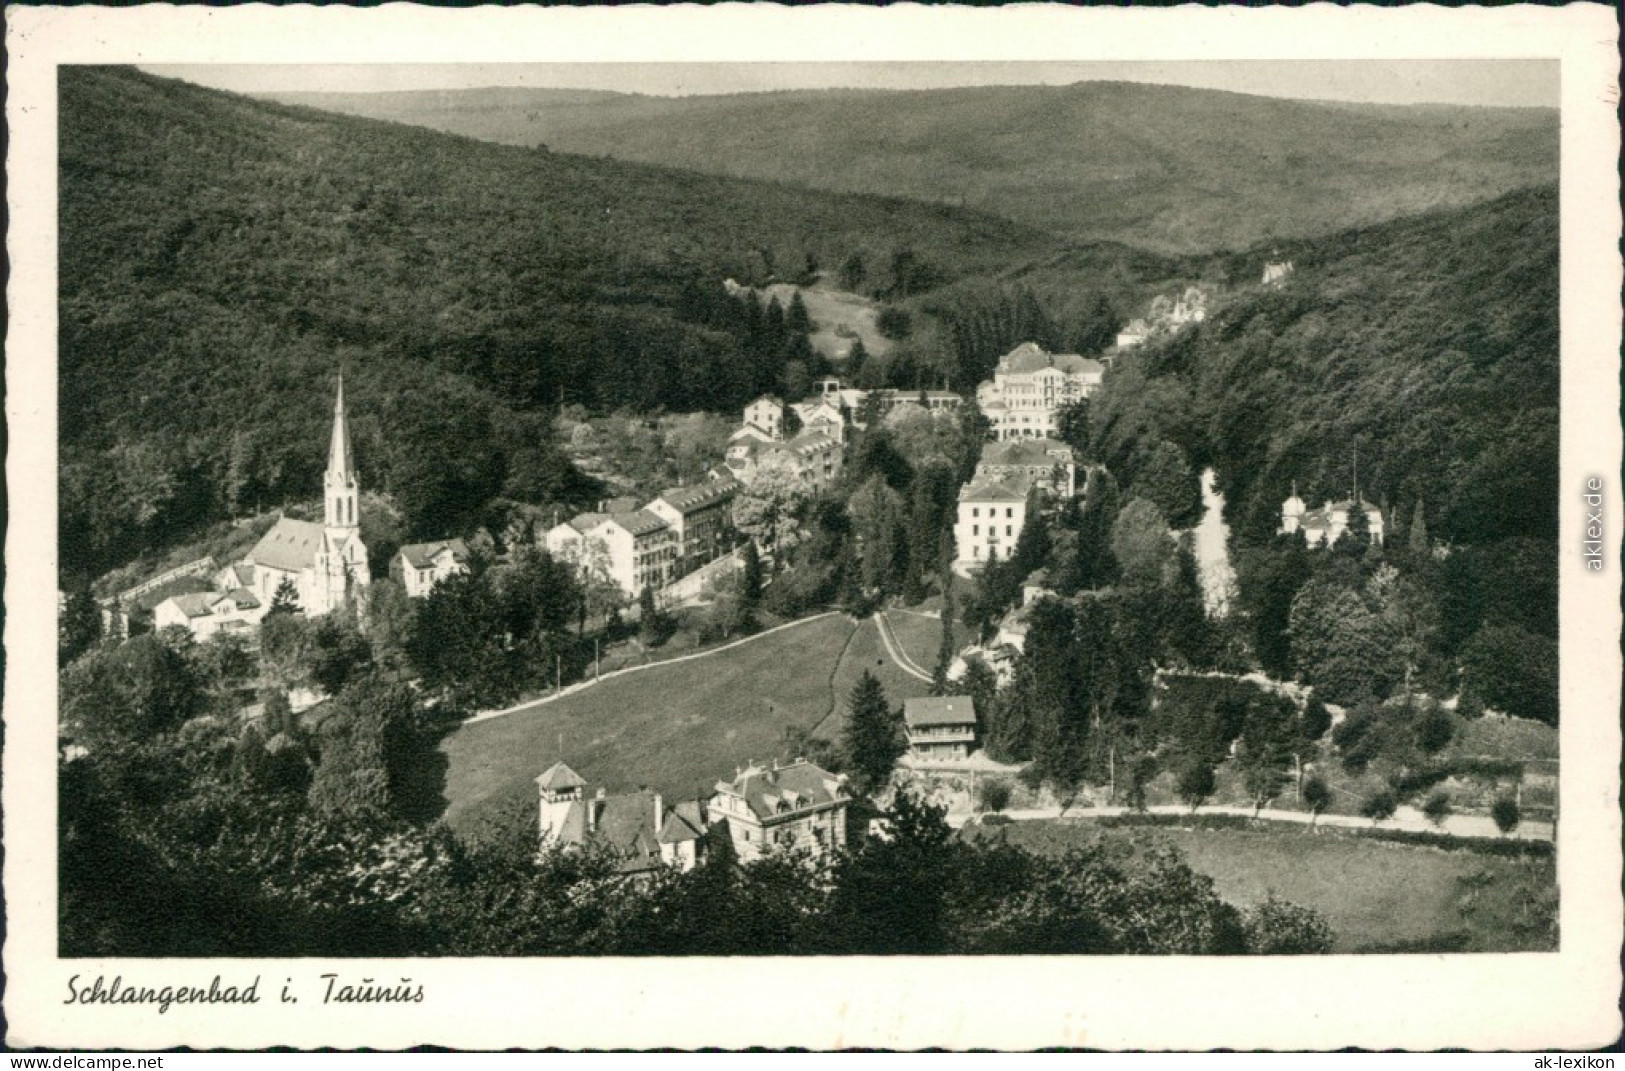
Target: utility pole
558	674
596	665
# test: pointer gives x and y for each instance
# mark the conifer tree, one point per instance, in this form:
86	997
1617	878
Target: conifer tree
1420	545
873	737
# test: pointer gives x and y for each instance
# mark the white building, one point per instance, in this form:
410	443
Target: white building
767	414
1030	386
1324	526
991	515
207	613
940	728
327	563
796	807
418	567
812	456
1276	271
635	550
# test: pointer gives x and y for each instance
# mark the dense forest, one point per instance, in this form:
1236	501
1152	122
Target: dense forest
1161	167
222	259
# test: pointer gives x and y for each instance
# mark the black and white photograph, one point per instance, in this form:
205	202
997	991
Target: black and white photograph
891	514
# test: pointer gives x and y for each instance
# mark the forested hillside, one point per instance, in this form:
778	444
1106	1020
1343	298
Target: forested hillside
1432	342
222	259
1431	347
1162	167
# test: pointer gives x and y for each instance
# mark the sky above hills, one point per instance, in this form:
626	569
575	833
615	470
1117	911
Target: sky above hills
1502	83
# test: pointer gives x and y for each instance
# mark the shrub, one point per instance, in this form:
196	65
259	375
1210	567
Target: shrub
1196	784
1506	814
1380	805
1437	808
994	795
1317	794
1278	928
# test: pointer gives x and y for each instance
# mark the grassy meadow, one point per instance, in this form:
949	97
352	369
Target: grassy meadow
1378	896
676	728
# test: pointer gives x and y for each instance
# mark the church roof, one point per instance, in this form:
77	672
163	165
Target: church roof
340	456
289	546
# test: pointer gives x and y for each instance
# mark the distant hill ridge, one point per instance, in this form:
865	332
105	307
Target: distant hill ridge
1167	168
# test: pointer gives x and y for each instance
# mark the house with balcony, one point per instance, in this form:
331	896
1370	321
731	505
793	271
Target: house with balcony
700	517
940	728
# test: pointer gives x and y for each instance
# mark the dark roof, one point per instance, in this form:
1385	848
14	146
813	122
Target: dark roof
195	604
642	522
683	823
795	786
627	824
1026	452
922	710
698	496
992	490
243	598
422	555
290	545
586	522
559	777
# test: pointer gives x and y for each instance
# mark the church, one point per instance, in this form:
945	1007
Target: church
326	562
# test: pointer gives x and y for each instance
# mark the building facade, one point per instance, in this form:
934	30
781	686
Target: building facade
700	517
799	807
991	515
1030	386
418	567
940	728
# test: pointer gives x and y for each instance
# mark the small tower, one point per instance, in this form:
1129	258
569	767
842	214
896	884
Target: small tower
1292	511
558	790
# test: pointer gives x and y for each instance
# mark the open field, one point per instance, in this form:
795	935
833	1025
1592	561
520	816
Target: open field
677	728
838	316
1377	896
866	652
921	635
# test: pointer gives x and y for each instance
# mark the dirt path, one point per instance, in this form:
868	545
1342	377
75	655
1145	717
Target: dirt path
1477	827
895	649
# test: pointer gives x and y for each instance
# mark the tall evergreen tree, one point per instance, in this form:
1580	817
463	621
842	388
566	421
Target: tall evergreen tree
873	736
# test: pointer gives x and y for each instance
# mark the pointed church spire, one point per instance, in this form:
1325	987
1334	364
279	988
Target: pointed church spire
340	458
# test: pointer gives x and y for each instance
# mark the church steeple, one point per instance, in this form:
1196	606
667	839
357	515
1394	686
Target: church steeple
342	482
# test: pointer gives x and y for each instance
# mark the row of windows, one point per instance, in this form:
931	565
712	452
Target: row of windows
992	530
993	511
